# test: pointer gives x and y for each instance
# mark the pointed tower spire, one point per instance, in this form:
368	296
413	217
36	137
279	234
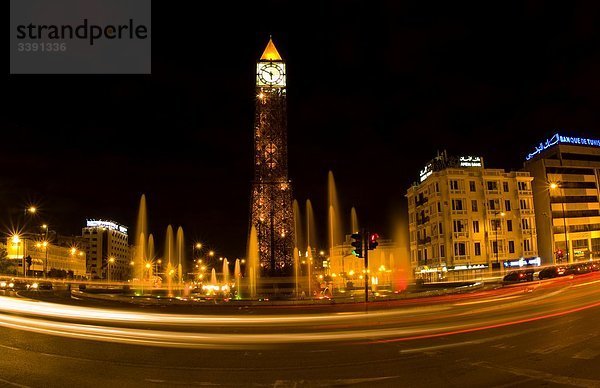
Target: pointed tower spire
271	53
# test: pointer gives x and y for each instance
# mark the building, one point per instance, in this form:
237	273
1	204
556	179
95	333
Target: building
465	219
41	256
108	250
566	173
271	201
388	267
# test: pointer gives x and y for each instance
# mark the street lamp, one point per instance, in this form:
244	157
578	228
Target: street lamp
554	186
111	261
45	245
502	214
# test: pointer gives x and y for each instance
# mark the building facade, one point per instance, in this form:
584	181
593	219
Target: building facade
108	250
56	261
566	173
466	219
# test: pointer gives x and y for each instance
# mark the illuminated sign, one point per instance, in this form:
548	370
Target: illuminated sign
443	161
106	224
523	262
426	172
469	266
556	139
470	161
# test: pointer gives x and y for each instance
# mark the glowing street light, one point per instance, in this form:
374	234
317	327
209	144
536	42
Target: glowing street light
554	186
31	210
211	253
111	262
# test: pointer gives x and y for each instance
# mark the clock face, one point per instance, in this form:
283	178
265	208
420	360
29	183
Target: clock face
271	74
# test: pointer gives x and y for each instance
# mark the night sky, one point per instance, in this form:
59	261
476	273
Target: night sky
374	90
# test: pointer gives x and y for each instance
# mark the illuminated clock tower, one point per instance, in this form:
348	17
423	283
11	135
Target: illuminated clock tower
272	213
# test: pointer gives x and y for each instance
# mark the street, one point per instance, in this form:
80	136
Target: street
528	334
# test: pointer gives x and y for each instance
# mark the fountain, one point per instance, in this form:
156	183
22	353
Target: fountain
238	279
298	238
253	265
309	265
169	257
334	224
296	270
226	272
354	221
213	277
180	255
310	225
141	232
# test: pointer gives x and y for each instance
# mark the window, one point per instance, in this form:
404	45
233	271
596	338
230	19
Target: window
505	186
472	186
511	246
522	186
440	228
425	253
527	245
507	205
492	186
439	204
525	223
474	205
494	204
459	226
457	204
442	251
475	226
437	187
509	225
460	249
453	185
477	249
495	247
523	204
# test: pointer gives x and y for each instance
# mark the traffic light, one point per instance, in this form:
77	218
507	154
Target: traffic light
28	261
559	255
357	244
373	241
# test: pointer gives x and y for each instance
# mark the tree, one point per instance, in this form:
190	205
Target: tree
7	266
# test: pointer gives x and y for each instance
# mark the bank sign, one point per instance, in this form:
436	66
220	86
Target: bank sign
558	139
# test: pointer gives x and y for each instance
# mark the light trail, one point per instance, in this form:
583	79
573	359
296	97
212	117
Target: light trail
400	323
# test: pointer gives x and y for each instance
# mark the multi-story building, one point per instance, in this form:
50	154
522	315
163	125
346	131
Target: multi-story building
108	250
465	218
566	173
56	261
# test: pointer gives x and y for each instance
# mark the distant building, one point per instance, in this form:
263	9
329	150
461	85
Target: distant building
465	219
566	173
388	266
56	260
106	240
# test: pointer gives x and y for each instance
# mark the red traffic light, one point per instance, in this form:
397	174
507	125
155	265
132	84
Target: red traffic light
373	241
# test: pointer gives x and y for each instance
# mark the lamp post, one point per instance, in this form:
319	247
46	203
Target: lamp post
502	214
554	186
111	261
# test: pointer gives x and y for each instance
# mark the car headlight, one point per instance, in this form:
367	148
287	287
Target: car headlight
11	285
34	286
2	284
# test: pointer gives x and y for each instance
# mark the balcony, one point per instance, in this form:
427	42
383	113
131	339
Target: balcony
421	202
426	240
525	192
459	212
458	235
529	212
423	220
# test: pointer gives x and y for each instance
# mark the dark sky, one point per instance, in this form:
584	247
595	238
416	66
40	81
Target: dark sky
374	89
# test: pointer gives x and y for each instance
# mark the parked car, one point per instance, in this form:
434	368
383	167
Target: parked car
523	275
44	286
550	273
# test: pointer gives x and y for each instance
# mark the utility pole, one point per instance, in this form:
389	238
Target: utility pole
366	251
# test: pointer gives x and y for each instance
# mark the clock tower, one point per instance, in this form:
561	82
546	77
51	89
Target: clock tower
271	211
